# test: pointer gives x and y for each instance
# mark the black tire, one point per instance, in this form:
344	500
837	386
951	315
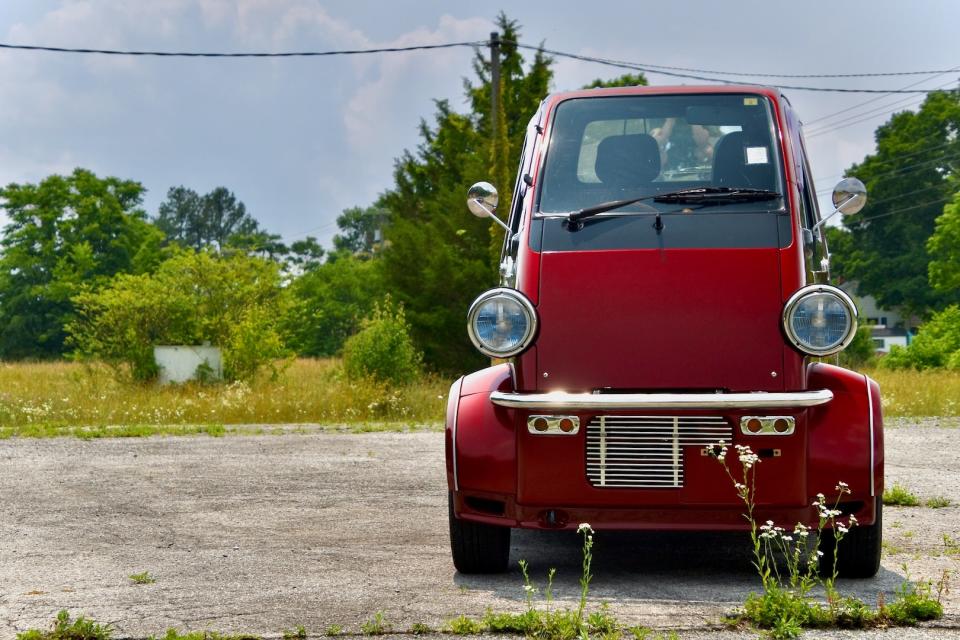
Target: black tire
859	549
476	547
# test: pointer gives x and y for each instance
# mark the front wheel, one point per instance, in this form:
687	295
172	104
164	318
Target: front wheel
859	552
477	547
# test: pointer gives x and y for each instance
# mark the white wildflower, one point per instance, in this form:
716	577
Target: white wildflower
585	527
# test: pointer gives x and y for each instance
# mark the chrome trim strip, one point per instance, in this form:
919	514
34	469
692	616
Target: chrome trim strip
676	451
603	451
870	418
456	421
604	401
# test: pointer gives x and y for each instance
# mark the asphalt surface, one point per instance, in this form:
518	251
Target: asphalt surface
263	533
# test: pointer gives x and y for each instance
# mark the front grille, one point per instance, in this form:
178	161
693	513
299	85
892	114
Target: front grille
647	451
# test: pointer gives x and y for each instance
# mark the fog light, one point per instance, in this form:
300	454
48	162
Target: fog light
767	425
553	425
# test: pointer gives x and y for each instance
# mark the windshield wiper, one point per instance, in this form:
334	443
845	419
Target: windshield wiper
717	195
603	207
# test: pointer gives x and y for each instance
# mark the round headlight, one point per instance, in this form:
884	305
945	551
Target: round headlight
820	320
501	323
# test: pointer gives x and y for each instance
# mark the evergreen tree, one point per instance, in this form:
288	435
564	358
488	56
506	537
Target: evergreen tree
438	256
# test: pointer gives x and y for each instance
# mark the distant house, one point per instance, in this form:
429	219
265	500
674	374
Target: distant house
887	326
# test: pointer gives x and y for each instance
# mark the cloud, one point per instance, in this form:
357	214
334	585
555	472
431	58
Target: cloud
402	86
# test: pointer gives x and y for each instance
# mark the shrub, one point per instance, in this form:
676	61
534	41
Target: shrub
937	345
860	351
383	349
233	302
329	303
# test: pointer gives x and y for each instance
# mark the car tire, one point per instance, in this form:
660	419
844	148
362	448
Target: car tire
859	549
477	547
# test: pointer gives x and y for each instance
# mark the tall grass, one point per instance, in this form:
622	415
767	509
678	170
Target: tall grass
83	399
909	393
37	397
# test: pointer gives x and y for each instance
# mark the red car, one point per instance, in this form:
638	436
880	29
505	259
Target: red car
664	288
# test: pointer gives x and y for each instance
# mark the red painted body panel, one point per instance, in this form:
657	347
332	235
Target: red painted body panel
661	319
680	319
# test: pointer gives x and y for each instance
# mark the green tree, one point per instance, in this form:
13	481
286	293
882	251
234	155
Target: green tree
306	254
211	220
233	301
937	345
66	235
329	301
626	80
360	229
438	256
944	249
908	179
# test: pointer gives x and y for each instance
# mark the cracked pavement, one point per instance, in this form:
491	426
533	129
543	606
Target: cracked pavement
258	534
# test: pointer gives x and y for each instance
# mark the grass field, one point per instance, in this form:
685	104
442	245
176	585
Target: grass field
50	399
918	393
38	399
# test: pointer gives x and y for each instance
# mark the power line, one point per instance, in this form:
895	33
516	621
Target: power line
839	126
764	75
647	69
856	106
897	211
890	107
900	168
242	54
661	70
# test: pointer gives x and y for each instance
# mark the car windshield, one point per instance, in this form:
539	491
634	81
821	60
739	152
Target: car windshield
619	147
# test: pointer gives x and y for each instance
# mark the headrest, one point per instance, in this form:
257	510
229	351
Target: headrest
730	168
628	160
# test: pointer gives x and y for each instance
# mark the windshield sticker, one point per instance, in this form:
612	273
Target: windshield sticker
757	155
750	102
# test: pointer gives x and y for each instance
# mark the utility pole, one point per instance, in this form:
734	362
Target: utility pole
494	82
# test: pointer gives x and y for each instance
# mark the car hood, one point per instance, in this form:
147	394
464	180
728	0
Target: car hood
678	319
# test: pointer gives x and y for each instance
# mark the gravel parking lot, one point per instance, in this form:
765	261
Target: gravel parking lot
264	533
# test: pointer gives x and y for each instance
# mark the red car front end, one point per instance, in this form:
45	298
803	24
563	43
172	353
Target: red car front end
680	313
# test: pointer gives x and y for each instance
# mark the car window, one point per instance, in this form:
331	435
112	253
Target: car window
614	147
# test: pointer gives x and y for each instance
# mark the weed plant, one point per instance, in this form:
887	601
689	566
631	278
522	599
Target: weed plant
376	626
300	633
938	502
58	398
333	630
785	606
66	629
142	578
899	496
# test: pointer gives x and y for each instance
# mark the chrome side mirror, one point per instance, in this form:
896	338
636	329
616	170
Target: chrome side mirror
482	200
849	196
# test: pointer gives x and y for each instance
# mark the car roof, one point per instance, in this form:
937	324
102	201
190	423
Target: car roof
770	92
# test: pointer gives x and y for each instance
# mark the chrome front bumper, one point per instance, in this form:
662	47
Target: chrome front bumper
561	400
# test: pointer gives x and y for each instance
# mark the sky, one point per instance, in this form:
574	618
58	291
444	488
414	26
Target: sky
299	140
